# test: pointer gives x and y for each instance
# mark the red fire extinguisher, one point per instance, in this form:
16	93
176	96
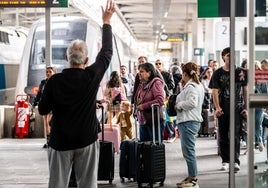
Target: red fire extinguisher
22	116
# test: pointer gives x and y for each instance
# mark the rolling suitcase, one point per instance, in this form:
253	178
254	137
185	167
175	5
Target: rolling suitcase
151	159
207	127
127	158
112	135
106	158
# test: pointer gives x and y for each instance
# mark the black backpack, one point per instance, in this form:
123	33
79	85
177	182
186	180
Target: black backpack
171	104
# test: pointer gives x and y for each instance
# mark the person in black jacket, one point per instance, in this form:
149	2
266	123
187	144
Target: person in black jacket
71	96
141	60
49	72
168	78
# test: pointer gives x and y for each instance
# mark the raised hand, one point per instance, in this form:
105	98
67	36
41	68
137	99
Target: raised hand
108	12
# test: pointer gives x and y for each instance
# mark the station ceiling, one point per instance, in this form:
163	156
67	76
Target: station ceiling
145	19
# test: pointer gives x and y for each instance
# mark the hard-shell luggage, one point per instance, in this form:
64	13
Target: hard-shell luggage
106	158
112	135
207	127
151	159
128	158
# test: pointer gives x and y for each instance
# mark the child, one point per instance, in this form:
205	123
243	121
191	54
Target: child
124	120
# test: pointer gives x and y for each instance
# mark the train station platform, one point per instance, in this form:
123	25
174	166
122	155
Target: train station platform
23	163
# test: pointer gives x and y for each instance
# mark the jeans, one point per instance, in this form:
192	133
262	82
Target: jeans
188	131
146	132
258	125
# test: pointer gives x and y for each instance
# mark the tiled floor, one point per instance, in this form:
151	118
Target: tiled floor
23	163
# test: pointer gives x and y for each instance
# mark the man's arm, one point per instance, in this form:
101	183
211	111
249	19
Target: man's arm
216	102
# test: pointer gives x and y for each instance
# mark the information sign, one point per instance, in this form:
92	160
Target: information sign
33	3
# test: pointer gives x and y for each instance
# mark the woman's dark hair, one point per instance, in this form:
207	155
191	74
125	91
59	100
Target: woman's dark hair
204	75
244	63
115	80
51	68
148	67
191	69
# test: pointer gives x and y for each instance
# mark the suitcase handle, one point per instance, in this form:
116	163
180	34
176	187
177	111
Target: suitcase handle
135	120
102	122
158	122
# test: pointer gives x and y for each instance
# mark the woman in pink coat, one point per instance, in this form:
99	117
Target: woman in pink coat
150	91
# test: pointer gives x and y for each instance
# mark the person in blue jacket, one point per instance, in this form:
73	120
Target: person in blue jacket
71	96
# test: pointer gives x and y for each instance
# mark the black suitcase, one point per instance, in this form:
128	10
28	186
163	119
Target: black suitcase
106	158
128	158
151	159
207	127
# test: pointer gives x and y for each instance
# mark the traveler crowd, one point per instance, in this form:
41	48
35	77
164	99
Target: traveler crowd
128	95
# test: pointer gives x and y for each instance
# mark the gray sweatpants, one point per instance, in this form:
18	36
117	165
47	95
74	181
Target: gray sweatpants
85	162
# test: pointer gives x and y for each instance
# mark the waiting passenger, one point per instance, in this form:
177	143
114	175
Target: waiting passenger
124	120
114	94
220	85
141	60
168	78
71	96
189	108
215	65
128	81
150	91
49	72
208	92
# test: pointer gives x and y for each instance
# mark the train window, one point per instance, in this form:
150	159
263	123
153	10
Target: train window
4	37
62	34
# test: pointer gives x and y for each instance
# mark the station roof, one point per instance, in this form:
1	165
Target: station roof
145	19
149	18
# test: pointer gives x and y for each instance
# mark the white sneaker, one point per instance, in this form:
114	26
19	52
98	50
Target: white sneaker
188	183
243	144
236	167
225	166
260	144
170	140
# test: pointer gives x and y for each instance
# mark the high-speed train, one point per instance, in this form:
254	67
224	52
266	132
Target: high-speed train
63	31
12	40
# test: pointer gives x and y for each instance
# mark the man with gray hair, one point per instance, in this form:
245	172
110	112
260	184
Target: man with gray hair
71	96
